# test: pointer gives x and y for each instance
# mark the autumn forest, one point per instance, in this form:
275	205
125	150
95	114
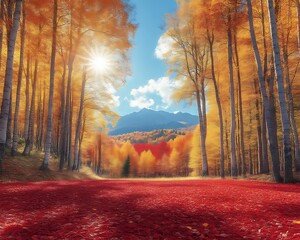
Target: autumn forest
237	61
228	169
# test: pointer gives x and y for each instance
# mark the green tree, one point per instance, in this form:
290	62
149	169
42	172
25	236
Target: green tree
126	168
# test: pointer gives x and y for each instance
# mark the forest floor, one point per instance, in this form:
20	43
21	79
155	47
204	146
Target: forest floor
122	209
25	169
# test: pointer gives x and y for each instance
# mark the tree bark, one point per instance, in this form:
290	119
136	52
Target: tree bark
1	30
290	99
258	129
81	139
99	160
288	170
62	109
211	42
8	131
51	91
20	75
241	119
79	122
271	127
265	161
202	136
27	96
8	80
232	101
249	137
30	135
298	23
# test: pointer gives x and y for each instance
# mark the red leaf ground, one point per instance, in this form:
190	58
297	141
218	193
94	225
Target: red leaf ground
205	209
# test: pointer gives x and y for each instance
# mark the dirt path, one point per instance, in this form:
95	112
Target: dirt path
196	209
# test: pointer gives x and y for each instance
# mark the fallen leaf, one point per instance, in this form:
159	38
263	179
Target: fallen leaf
296	221
205	224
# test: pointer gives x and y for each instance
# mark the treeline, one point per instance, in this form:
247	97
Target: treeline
112	158
52	98
238	61
153	137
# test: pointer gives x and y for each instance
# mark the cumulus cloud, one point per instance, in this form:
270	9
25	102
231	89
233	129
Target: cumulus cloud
115	99
162	87
141	102
164	45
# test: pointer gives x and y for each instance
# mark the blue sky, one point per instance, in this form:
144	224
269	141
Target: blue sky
149	86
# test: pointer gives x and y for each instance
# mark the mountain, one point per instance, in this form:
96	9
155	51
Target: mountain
147	120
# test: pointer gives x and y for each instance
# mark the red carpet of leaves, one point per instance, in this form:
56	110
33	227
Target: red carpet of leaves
204	209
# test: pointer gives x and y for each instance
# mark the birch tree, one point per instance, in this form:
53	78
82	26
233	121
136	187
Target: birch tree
8	79
288	170
272	141
51	91
20	76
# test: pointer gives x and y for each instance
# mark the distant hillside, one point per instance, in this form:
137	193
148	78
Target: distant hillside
148	120
153	137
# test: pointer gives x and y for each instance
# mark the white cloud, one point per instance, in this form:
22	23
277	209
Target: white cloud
115	99
141	102
162	87
164	45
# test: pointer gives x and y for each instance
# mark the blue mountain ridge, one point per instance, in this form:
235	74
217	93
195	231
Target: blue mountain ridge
147	120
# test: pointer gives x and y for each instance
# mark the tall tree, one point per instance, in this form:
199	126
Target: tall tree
271	127
20	76
27	97
288	170
79	123
30	134
232	101
51	91
210	38
8	79
1	29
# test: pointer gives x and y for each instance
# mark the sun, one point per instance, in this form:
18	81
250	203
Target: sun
99	61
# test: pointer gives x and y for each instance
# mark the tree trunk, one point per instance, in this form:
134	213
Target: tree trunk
38	117
232	101
1	30
265	161
298	23
78	127
81	139
227	148
51	91
211	42
66	114
288	170
271	127
241	119
99	160
8	130
258	129
27	95
30	135
202	136
249	137
62	109
8	80
18	95
69	149
290	99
